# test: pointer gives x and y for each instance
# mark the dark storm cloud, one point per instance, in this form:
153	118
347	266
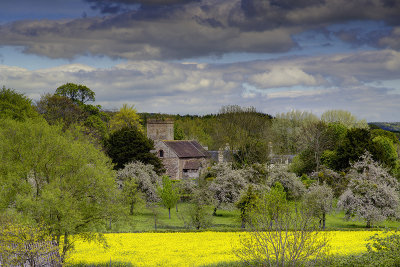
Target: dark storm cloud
117	6
196	28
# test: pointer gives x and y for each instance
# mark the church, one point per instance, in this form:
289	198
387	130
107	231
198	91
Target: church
182	159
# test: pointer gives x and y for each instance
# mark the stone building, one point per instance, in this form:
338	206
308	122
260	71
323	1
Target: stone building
182	159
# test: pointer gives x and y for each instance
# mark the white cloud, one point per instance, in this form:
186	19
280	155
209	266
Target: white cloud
282	77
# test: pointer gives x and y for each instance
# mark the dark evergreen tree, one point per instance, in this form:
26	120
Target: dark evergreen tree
128	145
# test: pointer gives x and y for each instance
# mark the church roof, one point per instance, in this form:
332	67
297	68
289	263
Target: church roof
187	149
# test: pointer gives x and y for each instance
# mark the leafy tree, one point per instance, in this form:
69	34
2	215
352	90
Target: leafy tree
169	194
354	145
292	184
129	145
343	117
246	131
60	109
372	193
281	234
55	177
15	105
385	151
22	242
227	186
319	200
196	215
287	131
78	93
126	117
246	203
137	176
337	181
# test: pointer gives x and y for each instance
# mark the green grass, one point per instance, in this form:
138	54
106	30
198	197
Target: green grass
143	220
226	220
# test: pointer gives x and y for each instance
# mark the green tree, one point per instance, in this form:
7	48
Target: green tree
385	151
60	109
23	242
245	130
15	105
126	117
343	117
57	178
78	93
281	234
246	203
138	177
169	194
129	145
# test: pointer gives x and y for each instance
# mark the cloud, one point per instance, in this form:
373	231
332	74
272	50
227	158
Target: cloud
281	77
392	40
193	28
313	83
118	6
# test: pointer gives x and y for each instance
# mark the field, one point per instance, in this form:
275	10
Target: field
143	221
189	249
175	245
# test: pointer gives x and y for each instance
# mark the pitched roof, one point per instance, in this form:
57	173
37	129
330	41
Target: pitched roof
187	149
191	164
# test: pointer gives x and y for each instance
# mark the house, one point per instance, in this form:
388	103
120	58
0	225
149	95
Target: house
182	159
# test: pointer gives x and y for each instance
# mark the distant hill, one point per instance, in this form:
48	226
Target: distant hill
387	126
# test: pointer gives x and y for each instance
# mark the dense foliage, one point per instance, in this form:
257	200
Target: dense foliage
128	145
58	178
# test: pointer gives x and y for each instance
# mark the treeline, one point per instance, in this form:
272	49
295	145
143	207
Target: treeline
334	140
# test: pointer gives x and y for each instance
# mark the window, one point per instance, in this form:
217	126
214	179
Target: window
161	153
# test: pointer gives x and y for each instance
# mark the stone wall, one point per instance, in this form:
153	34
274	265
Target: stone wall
160	129
170	160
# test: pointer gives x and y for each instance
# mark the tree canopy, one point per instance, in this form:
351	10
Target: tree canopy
15	105
128	145
55	177
76	92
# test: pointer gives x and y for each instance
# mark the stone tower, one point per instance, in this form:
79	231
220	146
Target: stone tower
160	129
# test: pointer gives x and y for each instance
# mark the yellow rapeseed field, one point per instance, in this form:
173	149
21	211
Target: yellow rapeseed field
189	249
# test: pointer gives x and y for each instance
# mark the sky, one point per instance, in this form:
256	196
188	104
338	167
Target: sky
195	56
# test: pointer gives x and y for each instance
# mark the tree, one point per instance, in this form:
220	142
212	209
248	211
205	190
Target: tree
15	105
196	215
137	176
78	93
337	181
385	151
60	109
227	186
319	200
22	243
246	203
246	131
128	145
292	184
354	145
57	178
343	117
314	140
281	234
126	117
287	131
372	193
168	193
